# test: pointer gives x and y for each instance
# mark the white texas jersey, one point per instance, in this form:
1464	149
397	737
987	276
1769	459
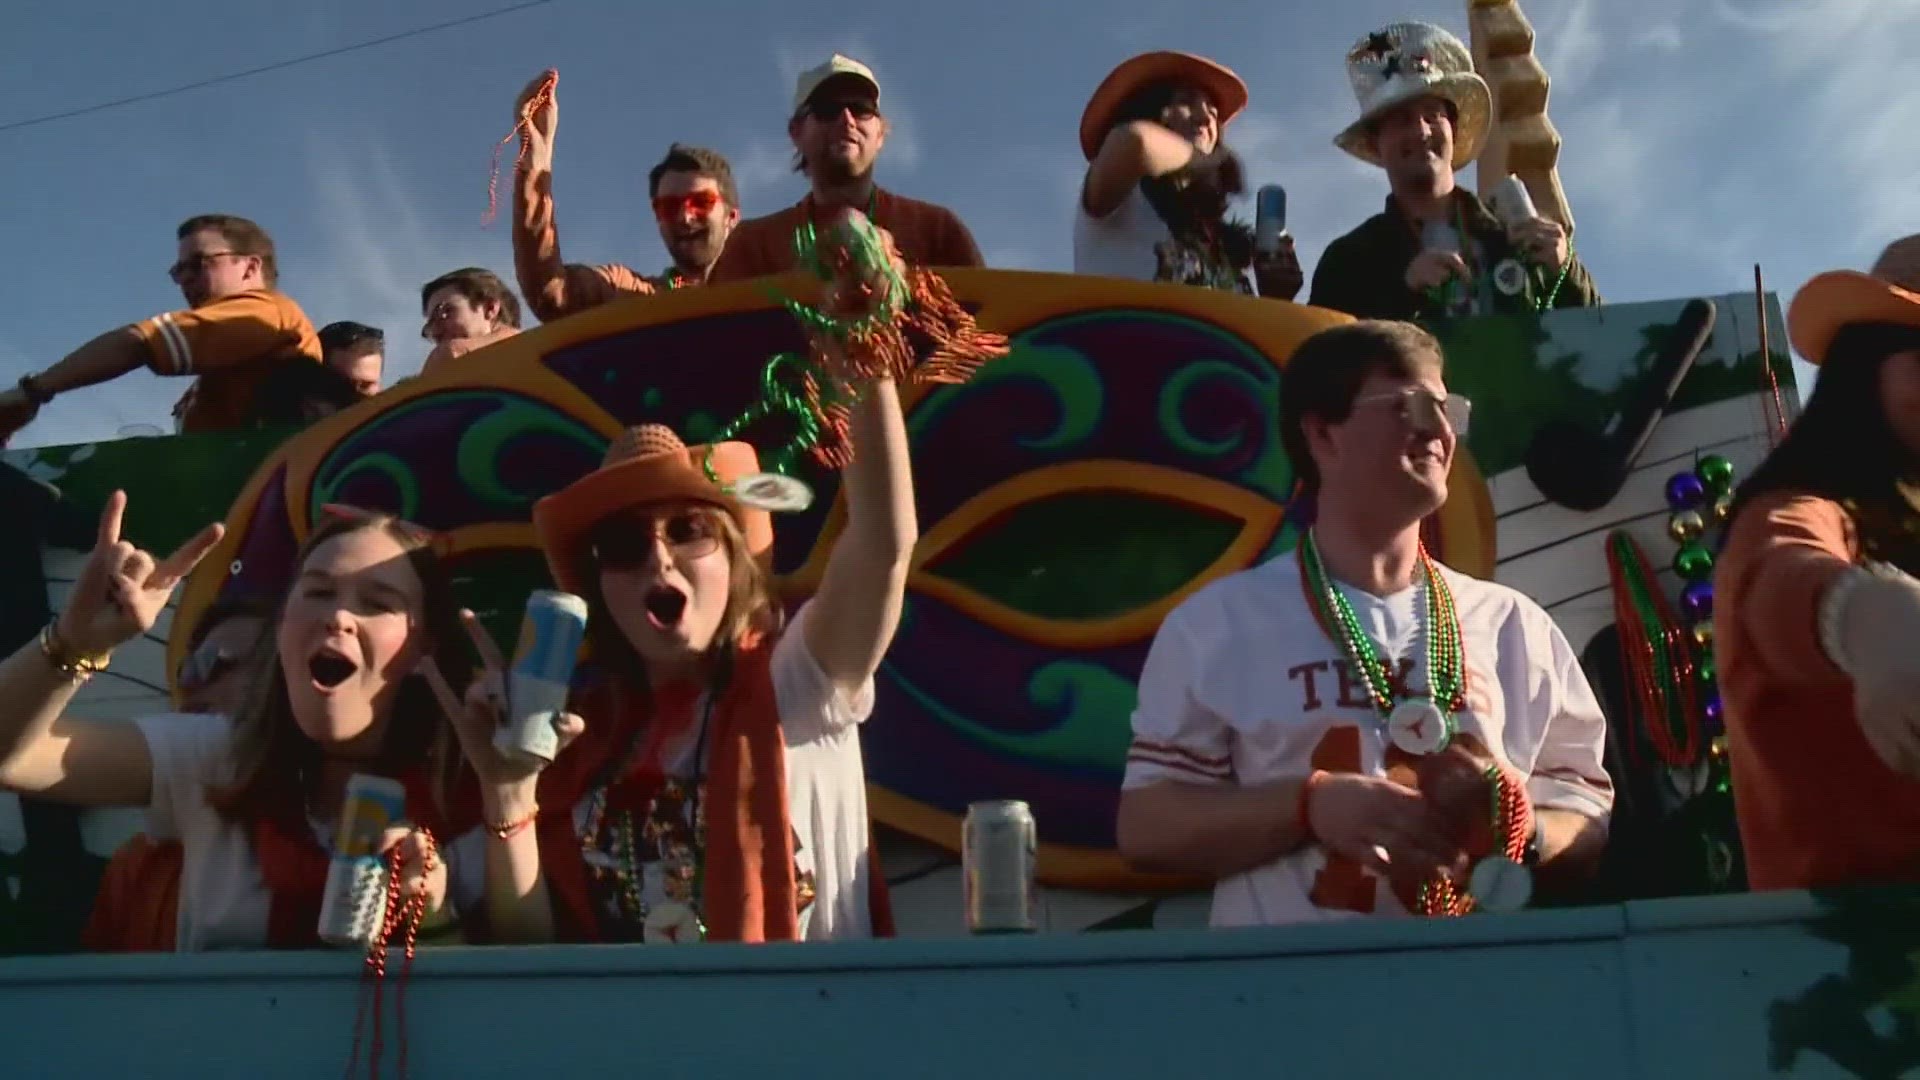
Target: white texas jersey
1243	687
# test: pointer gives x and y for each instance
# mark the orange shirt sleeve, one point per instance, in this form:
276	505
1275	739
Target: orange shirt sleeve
744	257
227	333
1783	552
554	289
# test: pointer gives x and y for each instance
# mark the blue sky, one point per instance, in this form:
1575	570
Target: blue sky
1699	138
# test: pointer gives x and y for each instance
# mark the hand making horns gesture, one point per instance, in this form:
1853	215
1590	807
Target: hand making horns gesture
121	590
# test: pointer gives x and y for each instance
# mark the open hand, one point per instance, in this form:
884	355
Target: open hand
121	590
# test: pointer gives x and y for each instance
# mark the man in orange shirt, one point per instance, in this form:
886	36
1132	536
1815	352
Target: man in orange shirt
235	331
838	131
695	204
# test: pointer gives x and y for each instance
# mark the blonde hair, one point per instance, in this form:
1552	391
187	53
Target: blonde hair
275	762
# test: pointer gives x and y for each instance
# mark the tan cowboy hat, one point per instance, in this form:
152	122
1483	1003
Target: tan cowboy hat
1410	60
1228	93
1889	293
645	464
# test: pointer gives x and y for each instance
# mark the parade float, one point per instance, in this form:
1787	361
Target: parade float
1122	455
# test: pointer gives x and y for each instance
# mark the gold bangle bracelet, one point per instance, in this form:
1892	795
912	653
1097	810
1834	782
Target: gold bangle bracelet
68	664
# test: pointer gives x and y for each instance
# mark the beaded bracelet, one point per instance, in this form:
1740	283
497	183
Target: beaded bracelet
512	829
72	666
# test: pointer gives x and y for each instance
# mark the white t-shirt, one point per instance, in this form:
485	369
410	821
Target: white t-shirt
826	801
1132	242
1242	686
224	904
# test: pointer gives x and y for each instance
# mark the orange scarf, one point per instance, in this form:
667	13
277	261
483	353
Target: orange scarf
749	892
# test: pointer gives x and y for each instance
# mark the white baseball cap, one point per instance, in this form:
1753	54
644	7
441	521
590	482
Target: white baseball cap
811	79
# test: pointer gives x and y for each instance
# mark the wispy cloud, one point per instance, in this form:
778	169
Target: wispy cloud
379	249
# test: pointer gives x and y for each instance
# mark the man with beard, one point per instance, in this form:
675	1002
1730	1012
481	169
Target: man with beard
695	204
837	131
1153	206
1436	250
1329	734
236	330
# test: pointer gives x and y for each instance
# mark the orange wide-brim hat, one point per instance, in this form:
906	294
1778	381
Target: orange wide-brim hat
645	465
1228	93
1890	293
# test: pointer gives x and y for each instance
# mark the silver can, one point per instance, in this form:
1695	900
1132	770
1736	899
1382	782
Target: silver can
998	845
1269	219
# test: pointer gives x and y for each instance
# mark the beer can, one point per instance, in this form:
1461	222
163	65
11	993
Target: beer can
1269	218
1511	203
540	676
355	902
998	844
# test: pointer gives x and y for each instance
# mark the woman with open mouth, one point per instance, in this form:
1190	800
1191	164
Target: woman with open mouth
254	797
717	791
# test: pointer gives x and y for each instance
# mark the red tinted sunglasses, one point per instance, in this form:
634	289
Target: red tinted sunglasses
698	203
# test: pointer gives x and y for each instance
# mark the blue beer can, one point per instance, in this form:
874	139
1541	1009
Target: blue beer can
1269	218
541	675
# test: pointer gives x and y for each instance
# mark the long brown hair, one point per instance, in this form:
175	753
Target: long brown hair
275	764
1842	448
752	609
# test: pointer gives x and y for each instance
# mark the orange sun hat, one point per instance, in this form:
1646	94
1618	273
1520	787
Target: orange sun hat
1228	92
645	464
1889	293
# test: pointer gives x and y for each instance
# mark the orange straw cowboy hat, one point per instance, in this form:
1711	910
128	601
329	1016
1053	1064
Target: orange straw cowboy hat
1889	293
1222	86
645	464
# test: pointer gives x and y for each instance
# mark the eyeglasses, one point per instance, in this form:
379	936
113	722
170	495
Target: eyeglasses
1424	406
205	666
695	203
195	264
628	542
831	110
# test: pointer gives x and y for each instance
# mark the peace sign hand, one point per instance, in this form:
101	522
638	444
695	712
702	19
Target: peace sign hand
507	783
121	589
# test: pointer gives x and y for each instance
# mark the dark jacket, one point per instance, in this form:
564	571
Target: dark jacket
1364	272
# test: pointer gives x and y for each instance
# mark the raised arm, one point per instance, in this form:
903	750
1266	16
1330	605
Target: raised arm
553	288
120	592
1131	152
857	609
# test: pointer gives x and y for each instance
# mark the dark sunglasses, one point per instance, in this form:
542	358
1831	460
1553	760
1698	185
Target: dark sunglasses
628	543
831	110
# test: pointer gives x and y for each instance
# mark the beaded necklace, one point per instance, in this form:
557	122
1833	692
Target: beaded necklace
1416	724
686	870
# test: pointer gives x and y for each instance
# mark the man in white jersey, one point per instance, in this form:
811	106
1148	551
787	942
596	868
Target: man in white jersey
1304	728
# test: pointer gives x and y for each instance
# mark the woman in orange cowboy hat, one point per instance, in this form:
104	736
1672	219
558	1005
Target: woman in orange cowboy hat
714	787
1159	178
1818	604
